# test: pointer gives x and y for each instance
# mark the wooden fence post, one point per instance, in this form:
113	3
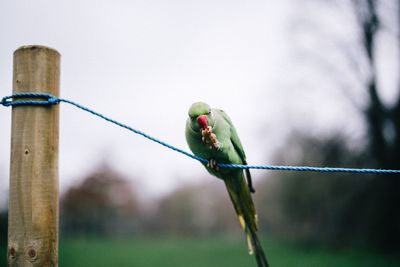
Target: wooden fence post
33	200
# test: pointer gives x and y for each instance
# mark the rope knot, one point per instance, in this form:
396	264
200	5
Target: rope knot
53	100
44	99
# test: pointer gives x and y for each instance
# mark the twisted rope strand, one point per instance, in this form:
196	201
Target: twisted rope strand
48	100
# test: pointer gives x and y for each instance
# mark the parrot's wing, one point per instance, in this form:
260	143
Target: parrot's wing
234	137
238	147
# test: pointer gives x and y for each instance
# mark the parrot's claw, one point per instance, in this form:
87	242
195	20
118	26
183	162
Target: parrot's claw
212	163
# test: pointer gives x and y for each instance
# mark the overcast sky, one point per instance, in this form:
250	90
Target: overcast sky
144	62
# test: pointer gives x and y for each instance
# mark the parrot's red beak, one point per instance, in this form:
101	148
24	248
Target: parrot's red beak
202	120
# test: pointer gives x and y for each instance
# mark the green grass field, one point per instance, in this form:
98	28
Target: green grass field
203	252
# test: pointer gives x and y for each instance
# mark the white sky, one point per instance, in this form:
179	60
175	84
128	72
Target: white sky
144	62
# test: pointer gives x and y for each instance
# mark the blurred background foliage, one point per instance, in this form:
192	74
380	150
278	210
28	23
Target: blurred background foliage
306	210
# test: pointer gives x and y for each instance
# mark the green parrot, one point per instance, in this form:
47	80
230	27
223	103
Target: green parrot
211	135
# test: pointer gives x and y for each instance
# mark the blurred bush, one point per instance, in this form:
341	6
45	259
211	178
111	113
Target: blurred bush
102	204
202	209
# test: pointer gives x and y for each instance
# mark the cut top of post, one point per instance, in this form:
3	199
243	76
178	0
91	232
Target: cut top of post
39	47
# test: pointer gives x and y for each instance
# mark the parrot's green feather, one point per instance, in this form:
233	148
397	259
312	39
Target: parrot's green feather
230	150
234	137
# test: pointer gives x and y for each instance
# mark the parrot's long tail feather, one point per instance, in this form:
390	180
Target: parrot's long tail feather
244	207
258	250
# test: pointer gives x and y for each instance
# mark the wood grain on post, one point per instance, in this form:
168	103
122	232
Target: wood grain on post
33	199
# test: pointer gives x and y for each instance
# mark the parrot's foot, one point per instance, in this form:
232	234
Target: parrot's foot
212	163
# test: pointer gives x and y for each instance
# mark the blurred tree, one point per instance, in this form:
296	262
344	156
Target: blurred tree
347	209
3	225
102	204
376	205
3	237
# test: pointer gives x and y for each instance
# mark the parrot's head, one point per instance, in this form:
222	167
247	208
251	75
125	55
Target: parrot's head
200	116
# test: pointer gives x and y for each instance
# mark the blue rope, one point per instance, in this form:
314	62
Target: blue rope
48	100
